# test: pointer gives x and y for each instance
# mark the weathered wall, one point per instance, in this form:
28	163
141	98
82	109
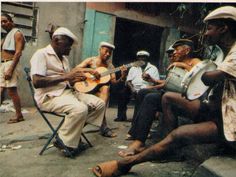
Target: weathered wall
70	15
118	9
169	35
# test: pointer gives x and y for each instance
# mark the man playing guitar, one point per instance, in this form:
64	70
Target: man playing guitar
102	60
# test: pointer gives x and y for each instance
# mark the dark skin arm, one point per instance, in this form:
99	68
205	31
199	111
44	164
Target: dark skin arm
211	78
148	78
19	42
130	86
123	70
159	84
73	76
85	66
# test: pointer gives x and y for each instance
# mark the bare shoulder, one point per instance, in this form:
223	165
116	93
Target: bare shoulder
86	63
196	60
20	40
19	34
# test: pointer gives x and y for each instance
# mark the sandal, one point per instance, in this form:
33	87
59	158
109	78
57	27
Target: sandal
15	120
107	132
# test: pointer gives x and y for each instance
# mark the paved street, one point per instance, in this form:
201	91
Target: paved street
24	140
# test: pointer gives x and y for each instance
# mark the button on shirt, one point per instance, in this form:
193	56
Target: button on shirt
135	76
45	62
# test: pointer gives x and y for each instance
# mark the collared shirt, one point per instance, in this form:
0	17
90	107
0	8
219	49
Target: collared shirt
135	76
229	95
45	62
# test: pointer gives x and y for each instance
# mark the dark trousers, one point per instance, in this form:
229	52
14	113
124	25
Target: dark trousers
123	100
148	103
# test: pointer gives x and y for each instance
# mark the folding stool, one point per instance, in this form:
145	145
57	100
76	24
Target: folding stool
42	113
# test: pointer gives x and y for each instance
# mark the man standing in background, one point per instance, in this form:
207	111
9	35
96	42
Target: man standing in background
11	50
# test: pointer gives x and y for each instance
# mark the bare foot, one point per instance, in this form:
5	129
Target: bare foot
134	148
15	120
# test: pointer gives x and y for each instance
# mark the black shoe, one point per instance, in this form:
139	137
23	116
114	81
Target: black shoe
82	147
67	151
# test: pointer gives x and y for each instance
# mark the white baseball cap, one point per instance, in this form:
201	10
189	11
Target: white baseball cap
66	32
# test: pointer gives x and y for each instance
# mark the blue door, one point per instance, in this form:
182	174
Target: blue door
98	27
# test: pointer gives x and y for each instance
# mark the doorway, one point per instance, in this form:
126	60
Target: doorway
130	37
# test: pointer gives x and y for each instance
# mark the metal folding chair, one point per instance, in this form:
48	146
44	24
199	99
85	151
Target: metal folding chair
42	113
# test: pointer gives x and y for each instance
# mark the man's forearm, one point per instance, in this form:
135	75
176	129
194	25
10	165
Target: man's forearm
84	69
130	85
212	77
15	60
41	81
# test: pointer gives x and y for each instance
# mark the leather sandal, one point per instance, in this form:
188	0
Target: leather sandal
107	132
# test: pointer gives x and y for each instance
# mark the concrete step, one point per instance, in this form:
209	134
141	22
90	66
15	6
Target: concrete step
218	166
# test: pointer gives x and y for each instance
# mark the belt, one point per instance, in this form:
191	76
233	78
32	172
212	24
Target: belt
4	60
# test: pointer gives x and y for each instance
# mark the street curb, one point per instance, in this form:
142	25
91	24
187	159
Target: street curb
218	166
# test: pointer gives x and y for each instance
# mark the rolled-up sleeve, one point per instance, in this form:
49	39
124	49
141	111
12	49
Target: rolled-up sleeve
229	65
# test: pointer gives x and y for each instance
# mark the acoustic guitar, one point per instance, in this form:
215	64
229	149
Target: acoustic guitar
91	82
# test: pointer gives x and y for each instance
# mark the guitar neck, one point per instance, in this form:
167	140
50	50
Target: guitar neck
115	70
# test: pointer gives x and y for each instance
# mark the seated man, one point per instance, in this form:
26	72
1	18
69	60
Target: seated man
53	79
143	92
221	25
135	82
152	101
103	91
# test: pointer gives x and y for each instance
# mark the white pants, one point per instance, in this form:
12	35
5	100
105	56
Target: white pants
79	108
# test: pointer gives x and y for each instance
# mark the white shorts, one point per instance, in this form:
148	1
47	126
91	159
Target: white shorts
4	66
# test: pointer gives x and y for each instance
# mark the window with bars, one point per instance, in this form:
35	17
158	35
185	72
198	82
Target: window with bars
24	16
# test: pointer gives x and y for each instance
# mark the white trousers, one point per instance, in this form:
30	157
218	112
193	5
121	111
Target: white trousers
79	108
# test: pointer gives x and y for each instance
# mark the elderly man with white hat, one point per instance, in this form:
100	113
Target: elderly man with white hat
138	78
221	24
53	81
103	91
